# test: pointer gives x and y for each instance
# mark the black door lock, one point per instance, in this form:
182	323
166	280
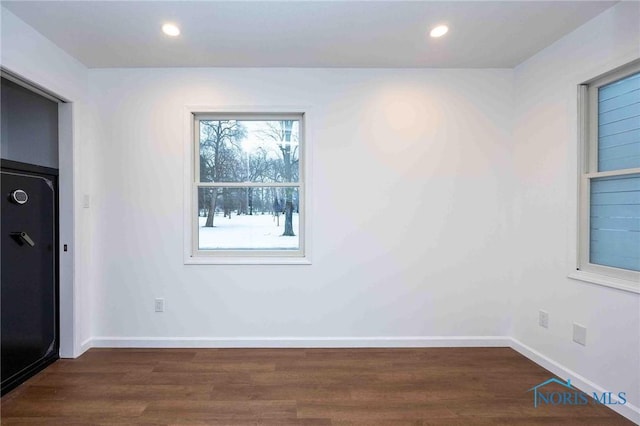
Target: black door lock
22	238
19	196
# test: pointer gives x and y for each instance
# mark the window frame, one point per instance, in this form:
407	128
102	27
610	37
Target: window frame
623	279
192	253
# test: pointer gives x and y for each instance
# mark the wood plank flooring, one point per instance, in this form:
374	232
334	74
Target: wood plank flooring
434	386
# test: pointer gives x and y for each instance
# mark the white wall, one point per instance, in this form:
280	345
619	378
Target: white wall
545	170
26	53
409	207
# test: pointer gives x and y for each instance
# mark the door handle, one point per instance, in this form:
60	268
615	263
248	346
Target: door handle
23	237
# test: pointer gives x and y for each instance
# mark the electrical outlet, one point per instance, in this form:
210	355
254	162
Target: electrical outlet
159	305
580	334
543	319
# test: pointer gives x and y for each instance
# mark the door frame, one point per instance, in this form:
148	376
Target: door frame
69	339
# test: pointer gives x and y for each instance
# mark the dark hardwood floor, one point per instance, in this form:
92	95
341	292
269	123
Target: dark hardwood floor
435	386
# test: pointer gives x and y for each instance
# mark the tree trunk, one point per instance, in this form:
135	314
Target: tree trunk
288	214
226	204
212	211
286	157
288	220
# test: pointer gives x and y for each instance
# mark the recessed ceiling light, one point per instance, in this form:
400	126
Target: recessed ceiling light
439	31
171	30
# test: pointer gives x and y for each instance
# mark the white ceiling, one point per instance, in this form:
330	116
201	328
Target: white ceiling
304	33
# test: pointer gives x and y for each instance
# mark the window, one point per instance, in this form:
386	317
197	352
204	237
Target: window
247	188
610	176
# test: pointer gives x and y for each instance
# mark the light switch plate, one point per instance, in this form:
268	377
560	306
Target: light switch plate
543	319
159	304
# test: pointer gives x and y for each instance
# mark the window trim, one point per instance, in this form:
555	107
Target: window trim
192	254
622	279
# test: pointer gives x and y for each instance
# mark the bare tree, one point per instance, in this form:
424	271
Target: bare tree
219	156
258	167
281	133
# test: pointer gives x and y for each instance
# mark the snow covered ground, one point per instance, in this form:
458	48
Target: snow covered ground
246	232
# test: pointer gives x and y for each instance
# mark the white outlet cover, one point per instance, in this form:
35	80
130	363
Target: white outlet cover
580	334
543	319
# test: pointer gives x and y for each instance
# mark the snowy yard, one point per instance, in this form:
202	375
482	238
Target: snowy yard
244	232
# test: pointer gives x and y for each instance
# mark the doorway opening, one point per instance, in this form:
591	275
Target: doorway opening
30	320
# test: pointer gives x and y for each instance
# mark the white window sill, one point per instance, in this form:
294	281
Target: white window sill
256	260
603	280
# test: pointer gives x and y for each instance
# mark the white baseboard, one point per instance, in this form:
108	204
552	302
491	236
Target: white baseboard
85	346
627	410
300	342
78	350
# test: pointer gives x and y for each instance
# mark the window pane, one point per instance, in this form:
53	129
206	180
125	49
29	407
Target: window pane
615	222
249	151
619	124
248	218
